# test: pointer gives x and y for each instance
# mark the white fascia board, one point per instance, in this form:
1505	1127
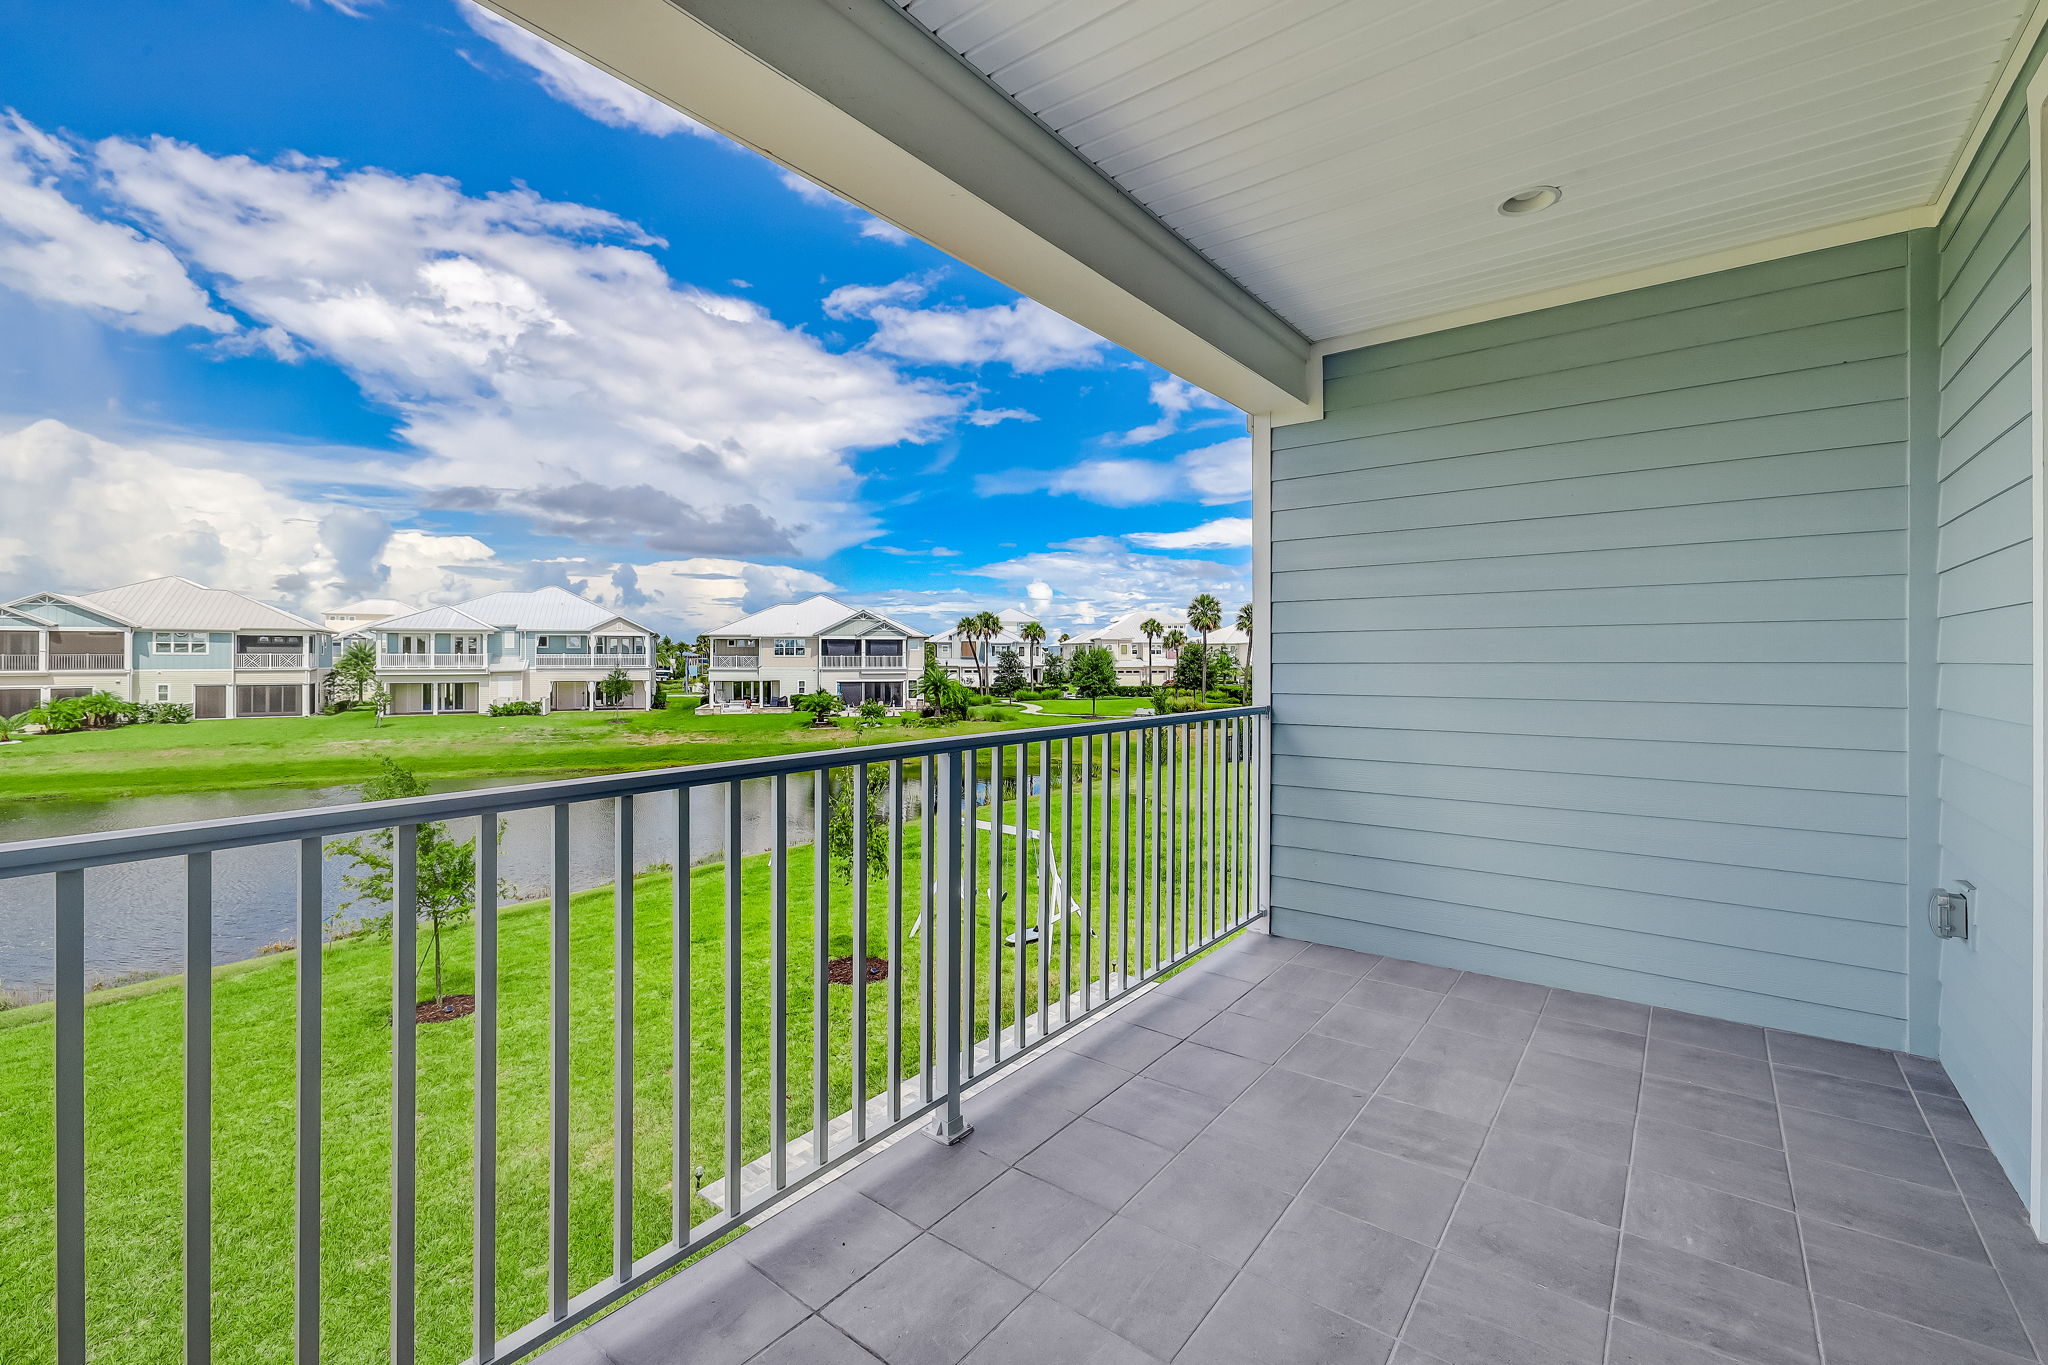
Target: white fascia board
854	95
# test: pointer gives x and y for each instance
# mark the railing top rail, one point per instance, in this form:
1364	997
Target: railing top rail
66	853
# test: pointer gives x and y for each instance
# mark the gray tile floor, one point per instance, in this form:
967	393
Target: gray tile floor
1294	1153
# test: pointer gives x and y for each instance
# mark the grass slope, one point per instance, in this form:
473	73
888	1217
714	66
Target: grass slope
317	751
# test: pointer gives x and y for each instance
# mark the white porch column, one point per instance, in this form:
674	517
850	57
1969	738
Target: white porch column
229	696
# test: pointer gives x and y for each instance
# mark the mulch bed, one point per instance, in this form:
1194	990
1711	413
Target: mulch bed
839	971
427	1012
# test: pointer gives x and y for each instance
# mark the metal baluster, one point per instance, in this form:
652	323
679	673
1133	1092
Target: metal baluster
778	983
969	866
198	1108
1108	888
1123	860
69	1075
734	898
895	1057
1141	817
484	1230
1203	834
1021	909
859	974
995	905
306	1191
404	1081
1044	885
622	1044
558	1069
682	1210
950	1126
1177	891
1067	879
821	937
1088	846
1162	922
1244	766
927	871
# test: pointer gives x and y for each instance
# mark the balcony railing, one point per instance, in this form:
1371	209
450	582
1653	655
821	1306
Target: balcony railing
87	662
430	661
590	660
836	662
735	661
1021	881
21	663
270	659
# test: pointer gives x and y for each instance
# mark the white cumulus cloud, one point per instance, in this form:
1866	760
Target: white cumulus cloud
576	82
1093	578
1176	399
1224	533
54	251
89	513
1213	474
1027	336
537	350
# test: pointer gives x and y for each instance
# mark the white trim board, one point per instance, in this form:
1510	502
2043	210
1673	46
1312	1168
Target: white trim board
2037	192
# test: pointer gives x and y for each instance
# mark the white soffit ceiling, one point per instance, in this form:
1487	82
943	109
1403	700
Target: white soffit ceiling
1342	159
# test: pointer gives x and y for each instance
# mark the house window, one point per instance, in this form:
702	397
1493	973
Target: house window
792	649
885	649
180	642
163	691
542	642
840	649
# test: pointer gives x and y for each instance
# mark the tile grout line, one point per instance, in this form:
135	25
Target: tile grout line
1792	1184
1472	1171
1970	1211
1628	1180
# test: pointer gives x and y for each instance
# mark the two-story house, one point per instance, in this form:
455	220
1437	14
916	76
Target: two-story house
356	618
222	653
1125	640
548	646
962	655
817	644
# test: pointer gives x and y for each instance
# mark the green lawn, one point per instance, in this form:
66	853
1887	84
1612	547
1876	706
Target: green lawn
316	751
134	1098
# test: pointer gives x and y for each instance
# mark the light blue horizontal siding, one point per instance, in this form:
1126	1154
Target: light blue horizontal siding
1985	643
1589	647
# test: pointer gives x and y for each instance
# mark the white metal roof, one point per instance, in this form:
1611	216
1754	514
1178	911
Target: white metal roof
1125	627
541	609
1344	161
180	604
812	616
433	618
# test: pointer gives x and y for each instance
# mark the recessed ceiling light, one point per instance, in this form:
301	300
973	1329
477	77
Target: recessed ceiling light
1535	199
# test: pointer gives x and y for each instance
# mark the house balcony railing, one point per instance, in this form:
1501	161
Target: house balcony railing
1021	882
735	661
590	660
270	659
430	661
839	662
88	662
21	663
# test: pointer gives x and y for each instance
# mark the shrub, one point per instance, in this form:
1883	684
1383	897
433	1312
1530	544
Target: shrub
162	713
819	706
873	710
514	708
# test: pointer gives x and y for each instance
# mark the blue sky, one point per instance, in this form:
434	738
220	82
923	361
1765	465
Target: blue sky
322	301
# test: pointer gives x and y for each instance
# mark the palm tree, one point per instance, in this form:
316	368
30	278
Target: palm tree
1173	642
1150	629
1034	636
1244	623
968	632
987	625
1205	614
